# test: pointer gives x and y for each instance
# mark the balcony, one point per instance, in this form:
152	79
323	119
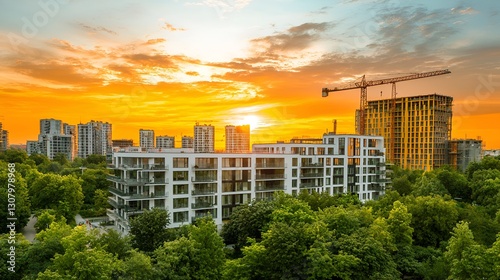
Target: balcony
269	188
204	179
310	164
205	166
312	175
116	191
270	165
203	192
115	204
383	180
203	204
116	179
269	176
157	181
308	185
381	164
155	167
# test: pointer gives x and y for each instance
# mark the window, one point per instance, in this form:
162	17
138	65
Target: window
181	162
180	217
180	175
180	189
180	203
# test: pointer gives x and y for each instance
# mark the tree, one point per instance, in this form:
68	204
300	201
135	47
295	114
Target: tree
149	230
61	159
92	180
46	217
113	242
486	163
62	193
433	218
95	160
465	257
402	185
455	182
14	156
83	258
247	221
101	202
345	221
39	159
14	198
428	185
137	266
198	256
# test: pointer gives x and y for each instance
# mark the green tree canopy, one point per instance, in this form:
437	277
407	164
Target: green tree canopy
149	230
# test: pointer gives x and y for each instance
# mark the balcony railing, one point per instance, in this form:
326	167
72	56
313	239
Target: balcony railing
269	176
309	185
205	166
115	204
310	164
204	179
203	192
159	181
155	167
117	191
270	165
312	175
269	188
203	204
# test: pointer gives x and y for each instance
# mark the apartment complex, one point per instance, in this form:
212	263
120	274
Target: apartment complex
165	142
72	130
204	138
187	142
52	140
4	138
415	131
147	138
237	139
94	138
191	185
461	152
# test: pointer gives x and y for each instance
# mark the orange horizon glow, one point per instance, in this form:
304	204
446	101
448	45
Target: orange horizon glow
166	65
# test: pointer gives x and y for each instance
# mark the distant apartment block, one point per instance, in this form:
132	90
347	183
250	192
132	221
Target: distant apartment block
146	138
492	153
461	152
123	143
53	140
187	142
237	139
166	142
94	138
204	138
4	138
73	131
191	185
415	131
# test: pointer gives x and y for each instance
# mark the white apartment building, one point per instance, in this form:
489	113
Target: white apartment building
165	142
191	185
204	138
94	137
52	140
187	142
146	138
237	139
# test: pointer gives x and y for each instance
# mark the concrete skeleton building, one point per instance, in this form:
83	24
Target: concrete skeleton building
94	138
422	126
204	138
191	185
147	138
237	139
166	142
461	152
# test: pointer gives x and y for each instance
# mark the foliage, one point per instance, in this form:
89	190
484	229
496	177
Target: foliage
61	193
149	230
198	256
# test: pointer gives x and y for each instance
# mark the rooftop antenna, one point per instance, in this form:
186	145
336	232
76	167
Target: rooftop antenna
334	126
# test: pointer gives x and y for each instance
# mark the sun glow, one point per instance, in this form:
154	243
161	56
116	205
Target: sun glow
253	120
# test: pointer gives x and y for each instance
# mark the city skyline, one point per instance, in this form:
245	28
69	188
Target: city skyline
240	62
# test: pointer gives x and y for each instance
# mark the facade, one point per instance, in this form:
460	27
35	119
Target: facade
237	139
166	142
4	139
52	140
123	143
187	142
461	152
191	185
147	138
204	138
69	129
493	153
419	127
94	138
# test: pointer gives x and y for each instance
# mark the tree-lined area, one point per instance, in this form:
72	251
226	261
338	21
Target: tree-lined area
441	224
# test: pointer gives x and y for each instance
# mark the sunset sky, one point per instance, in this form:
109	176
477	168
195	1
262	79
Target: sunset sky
165	65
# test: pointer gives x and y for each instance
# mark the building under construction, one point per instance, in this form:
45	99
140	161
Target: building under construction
415	129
